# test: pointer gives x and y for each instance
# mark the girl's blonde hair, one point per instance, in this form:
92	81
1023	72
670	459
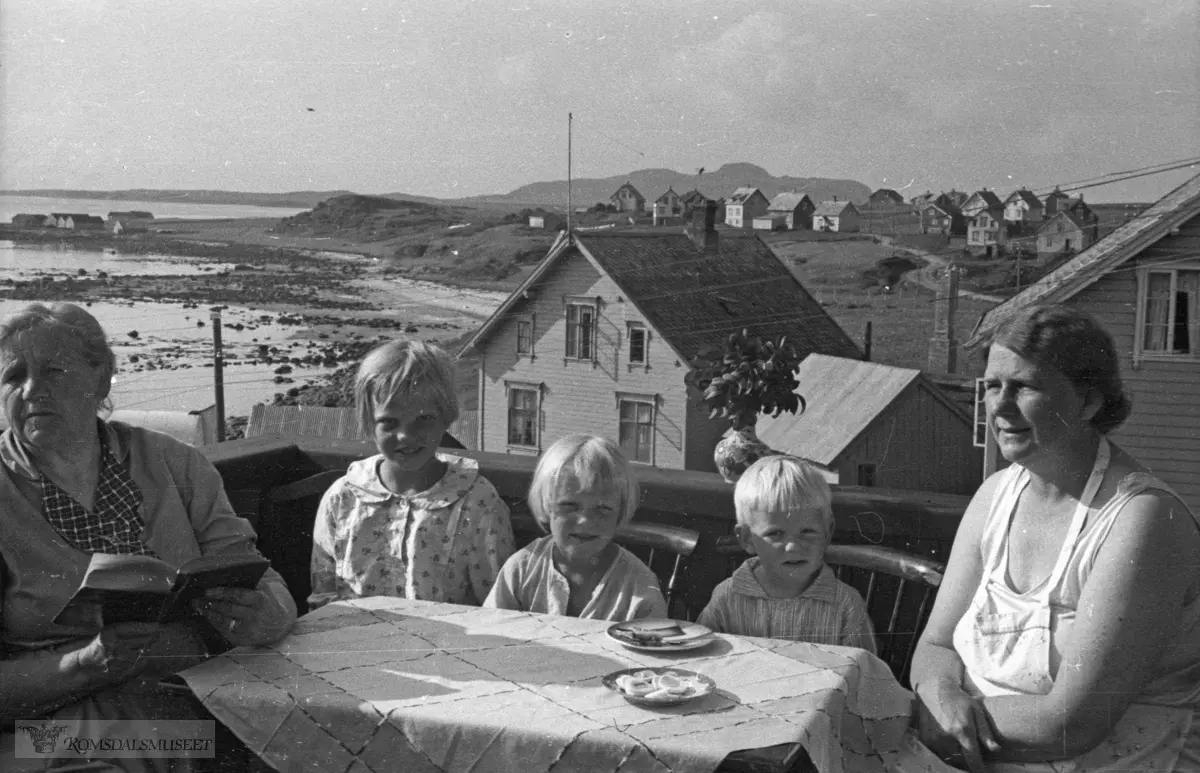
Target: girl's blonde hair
414	368
782	482
592	460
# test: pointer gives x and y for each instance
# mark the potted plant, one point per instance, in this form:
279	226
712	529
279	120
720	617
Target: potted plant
750	376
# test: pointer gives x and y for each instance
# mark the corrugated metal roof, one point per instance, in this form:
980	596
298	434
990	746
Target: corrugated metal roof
843	397
787	201
1141	232
340	423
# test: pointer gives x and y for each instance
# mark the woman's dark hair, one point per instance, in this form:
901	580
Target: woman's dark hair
1074	343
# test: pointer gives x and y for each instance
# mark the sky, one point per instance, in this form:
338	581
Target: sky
453	98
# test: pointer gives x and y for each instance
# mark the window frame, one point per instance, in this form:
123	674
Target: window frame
630	327
525	319
867	470
1140	353
537	388
581	302
637	398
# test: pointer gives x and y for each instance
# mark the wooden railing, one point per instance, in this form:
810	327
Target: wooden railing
917	522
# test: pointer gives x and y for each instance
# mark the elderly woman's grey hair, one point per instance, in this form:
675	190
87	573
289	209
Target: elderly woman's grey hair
403	366
72	321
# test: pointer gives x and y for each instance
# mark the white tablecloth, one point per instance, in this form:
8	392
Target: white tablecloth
386	684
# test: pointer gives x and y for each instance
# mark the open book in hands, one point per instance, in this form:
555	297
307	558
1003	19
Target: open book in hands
142	589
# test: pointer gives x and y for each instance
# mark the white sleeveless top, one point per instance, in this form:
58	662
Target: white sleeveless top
1012	643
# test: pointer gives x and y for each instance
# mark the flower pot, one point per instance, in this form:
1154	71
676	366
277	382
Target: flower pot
738	450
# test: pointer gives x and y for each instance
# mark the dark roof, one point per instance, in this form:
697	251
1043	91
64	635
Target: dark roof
1026	195
832	208
1072	218
787	201
695	298
741	195
888	193
628	185
989	198
1061	284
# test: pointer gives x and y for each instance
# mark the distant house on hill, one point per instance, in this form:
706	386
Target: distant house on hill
797	209
743	206
628	199
944	218
1142	282
127	225
29	221
1050	204
979	201
867	424
885	196
986	231
670	204
1022	206
1062	234
695	200
599	336
835	215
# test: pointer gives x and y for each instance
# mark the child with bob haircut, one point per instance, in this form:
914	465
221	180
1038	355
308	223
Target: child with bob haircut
582	490
409	522
785	590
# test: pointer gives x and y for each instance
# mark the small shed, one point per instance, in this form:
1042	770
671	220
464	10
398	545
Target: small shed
547	221
867	424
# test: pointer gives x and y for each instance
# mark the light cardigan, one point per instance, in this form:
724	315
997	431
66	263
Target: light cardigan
531	583
446	543
185	514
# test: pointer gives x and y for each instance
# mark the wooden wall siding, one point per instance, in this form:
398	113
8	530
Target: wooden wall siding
582	396
919	444
1164	430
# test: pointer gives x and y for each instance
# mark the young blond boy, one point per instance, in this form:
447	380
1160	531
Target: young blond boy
785	590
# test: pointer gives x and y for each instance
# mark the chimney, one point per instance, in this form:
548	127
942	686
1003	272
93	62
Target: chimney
943	346
703	230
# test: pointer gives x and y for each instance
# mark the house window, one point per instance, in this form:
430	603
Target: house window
1048	241
637	345
524	404
581	330
525	336
866	475
1171	323
636	432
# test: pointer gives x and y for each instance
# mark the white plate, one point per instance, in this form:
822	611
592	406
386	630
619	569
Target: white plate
705	686
660	635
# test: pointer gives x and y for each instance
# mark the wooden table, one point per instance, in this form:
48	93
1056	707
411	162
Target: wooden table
385	684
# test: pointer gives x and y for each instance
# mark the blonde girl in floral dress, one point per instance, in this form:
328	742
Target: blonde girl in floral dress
409	521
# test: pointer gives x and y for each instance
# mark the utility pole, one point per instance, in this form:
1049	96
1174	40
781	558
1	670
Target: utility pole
218	373
867	342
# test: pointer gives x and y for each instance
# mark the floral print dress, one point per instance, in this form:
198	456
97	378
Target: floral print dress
446	543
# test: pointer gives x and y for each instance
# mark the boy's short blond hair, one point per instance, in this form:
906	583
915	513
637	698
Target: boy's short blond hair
592	460
782	482
412	367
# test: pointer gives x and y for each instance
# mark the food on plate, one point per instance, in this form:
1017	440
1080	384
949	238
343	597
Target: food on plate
650	637
654	686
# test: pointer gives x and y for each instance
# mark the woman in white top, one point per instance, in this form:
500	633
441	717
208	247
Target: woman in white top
1066	635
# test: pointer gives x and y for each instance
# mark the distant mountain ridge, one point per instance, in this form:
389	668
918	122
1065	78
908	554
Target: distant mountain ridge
651	183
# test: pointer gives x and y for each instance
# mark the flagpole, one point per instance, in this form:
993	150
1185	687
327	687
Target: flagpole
570	204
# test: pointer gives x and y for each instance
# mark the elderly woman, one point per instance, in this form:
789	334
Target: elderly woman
72	485
1066	635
